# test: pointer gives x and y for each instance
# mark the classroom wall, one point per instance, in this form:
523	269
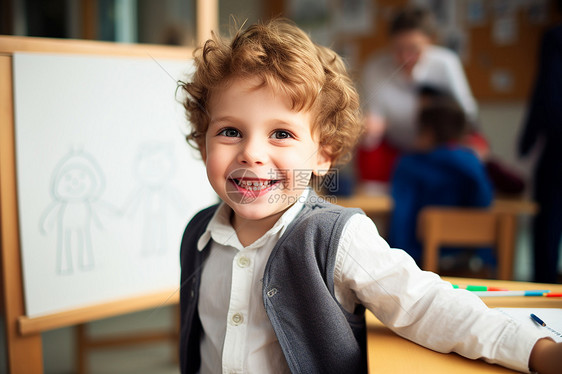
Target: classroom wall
501	123
249	11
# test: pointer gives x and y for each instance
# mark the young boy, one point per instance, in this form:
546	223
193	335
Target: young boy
440	172
275	280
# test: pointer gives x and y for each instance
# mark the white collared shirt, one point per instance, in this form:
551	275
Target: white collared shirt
239	338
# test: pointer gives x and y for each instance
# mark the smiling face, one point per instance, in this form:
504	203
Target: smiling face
75	183
259	153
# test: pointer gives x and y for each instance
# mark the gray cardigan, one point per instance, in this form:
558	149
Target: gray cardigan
316	334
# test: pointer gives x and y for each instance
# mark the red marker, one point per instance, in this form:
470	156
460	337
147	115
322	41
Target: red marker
553	294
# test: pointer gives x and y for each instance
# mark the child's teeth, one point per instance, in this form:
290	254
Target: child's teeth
254	185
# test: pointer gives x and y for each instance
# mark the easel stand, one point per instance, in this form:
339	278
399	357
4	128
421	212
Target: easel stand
23	334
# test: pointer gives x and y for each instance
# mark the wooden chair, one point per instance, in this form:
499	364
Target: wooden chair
447	226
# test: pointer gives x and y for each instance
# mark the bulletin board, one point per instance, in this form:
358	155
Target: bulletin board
96	182
497	40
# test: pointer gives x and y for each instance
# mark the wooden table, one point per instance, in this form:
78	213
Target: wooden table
380	204
389	353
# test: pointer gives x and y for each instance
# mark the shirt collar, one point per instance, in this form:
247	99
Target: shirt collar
221	231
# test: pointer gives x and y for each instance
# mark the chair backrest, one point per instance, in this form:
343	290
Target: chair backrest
458	226
438	226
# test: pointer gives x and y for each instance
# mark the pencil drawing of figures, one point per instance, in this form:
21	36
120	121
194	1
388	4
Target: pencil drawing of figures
77	183
154	168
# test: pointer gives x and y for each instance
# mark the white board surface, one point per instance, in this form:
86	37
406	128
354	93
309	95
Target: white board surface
106	181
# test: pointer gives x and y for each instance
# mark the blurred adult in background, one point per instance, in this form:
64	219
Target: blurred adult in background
544	121
390	81
441	171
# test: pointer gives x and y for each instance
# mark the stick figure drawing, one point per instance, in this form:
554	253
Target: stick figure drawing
154	168
77	183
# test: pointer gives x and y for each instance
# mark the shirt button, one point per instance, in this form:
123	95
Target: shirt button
237	319
243	261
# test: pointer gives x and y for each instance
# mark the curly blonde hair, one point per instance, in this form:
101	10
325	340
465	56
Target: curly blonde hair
285	59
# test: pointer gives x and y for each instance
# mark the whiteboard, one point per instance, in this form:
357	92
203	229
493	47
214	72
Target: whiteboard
106	181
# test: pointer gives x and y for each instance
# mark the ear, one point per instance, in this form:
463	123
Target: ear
323	161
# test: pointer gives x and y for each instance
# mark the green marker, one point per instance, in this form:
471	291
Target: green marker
480	288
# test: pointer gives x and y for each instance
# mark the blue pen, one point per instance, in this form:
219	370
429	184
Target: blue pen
538	320
511	293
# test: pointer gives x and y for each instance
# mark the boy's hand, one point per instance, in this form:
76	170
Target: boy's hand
546	357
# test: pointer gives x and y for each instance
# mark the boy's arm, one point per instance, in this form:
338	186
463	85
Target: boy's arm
421	307
546	357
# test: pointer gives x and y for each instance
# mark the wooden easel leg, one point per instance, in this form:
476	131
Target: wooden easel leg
81	349
25	353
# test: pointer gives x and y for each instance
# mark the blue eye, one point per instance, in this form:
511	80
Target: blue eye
230	133
281	134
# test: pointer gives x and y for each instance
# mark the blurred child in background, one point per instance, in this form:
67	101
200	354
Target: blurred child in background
440	172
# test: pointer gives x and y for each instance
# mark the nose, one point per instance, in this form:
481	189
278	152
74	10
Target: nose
253	151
